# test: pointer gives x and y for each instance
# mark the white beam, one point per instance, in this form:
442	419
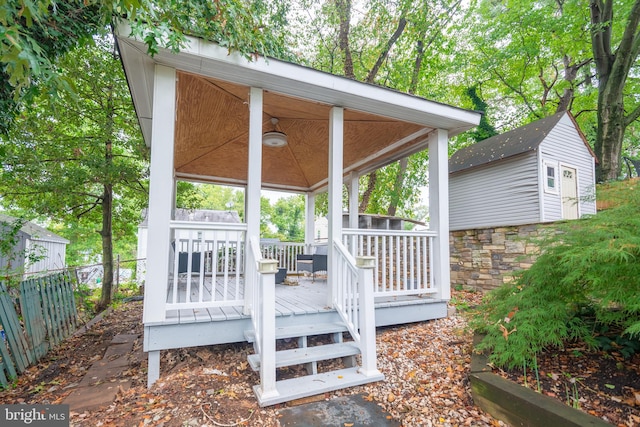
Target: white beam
161	178
336	147
354	181
310	217
439	210
254	182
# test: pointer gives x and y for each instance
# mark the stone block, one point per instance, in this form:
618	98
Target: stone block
498	238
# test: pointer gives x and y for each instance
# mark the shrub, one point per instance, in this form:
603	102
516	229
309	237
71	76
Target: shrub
586	278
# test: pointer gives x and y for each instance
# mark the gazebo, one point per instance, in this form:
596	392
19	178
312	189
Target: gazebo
214	116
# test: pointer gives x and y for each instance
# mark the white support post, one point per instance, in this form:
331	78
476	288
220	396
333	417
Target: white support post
439	211
336	136
161	177
267	389
252	195
354	181
153	370
309	227
367	315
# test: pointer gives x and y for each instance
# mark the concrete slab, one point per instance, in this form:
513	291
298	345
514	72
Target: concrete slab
347	410
103	372
95	397
100	384
118	350
124	338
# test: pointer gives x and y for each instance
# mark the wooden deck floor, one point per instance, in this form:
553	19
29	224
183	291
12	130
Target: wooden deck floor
306	302
308	297
305	298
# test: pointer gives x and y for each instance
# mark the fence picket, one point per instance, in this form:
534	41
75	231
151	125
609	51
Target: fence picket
7	363
49	316
33	318
15	338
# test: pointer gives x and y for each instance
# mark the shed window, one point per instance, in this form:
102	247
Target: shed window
550	177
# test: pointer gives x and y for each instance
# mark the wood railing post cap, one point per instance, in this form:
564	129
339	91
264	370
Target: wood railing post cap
366	261
268	266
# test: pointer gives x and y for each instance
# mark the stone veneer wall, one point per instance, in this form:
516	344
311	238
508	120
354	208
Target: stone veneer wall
484	259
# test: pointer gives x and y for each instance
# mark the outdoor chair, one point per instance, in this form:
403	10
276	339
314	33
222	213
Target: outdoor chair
311	264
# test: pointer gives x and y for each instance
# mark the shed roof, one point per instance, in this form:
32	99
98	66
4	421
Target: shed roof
34	231
517	141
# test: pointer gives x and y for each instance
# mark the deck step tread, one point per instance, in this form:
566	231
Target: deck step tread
299	356
302	330
310	385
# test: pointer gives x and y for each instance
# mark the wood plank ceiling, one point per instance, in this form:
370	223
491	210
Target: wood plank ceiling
212	136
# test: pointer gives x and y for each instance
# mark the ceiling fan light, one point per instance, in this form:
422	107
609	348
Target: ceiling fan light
274	139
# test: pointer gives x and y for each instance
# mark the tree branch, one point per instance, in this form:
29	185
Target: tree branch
631	117
402	23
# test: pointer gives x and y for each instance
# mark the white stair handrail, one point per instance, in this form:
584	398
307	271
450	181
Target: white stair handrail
263	318
354	301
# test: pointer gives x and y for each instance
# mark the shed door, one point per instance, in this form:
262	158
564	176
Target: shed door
569	191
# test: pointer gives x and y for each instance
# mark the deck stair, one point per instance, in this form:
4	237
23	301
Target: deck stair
309	355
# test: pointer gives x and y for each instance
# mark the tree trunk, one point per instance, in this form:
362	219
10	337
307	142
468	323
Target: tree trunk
611	119
107	248
107	208
417	65
364	203
613	66
397	192
344	13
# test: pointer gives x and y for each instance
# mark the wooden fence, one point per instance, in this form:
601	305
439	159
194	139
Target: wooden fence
45	315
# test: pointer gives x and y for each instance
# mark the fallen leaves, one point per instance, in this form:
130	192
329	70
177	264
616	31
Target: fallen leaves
425	364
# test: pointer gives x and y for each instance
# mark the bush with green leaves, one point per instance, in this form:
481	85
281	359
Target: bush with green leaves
586	280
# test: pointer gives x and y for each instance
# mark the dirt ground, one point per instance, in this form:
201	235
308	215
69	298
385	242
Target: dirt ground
425	364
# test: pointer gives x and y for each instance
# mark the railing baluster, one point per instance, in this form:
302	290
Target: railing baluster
404	259
201	269
214	248
419	284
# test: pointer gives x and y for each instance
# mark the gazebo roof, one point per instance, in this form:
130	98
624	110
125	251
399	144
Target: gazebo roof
211	136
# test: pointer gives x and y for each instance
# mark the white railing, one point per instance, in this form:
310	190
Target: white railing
263	318
207	265
284	252
404	259
354	301
257	297
346	289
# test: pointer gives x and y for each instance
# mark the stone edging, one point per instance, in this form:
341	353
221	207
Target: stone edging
518	405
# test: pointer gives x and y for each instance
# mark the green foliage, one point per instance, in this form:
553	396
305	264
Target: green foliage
221	198
34	34
288	216
485	129
586	278
80	159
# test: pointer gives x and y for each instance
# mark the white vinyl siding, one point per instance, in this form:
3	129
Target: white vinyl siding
564	146
499	194
52	255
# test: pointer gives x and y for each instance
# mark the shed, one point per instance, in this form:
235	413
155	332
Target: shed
31	239
541	172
